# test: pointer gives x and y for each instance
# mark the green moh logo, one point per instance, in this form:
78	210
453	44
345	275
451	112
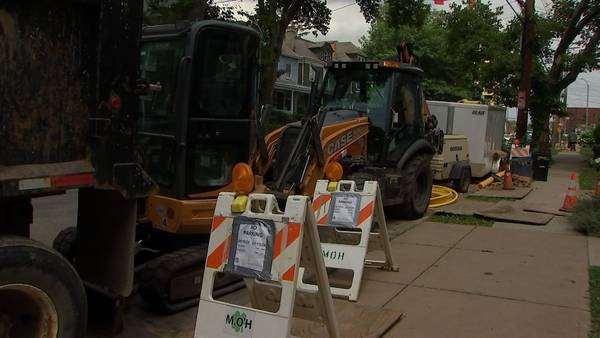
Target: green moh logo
238	322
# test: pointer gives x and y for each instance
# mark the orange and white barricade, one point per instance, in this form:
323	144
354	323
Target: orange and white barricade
266	247
349	215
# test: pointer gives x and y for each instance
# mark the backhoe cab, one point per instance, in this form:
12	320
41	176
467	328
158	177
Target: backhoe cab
383	97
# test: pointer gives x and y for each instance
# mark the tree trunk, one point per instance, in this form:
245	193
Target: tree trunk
270	59
540	138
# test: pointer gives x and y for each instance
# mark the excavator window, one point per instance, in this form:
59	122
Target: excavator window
222	98
157	122
159	63
220	87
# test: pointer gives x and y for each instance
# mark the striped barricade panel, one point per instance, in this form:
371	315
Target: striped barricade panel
349	212
220	319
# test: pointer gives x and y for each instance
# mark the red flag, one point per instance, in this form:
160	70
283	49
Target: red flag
438	2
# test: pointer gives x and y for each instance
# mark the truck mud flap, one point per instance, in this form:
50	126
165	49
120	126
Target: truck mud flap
106	240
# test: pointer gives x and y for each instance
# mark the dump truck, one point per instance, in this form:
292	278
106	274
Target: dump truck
68	97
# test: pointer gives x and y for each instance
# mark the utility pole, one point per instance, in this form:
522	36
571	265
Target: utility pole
587	101
526	67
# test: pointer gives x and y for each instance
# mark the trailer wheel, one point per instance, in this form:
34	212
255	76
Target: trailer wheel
462	184
64	243
419	183
42	295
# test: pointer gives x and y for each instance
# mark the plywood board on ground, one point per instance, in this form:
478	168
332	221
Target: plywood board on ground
512	212
354	320
516	193
544	210
464	206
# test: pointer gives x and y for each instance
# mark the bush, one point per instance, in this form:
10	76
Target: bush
596	134
587	216
586	138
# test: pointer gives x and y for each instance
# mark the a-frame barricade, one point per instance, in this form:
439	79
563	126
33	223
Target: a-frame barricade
347	217
266	247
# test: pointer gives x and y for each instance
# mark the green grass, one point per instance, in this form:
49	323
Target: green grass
443	217
490	198
587	179
595	301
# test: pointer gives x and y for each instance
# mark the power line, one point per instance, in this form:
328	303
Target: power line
342	7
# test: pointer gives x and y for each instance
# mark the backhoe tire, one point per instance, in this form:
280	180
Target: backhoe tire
42	294
65	244
419	179
462	184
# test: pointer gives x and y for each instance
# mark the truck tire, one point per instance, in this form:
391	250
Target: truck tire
42	295
419	183
64	243
462	184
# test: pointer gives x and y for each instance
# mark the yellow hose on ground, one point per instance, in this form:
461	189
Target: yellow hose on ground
441	196
489	180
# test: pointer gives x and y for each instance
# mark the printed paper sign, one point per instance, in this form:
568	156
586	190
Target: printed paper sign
251	252
251	246
344	209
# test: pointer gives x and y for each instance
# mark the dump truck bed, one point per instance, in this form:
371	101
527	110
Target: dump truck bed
68	71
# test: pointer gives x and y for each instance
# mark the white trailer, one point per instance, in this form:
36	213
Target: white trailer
483	126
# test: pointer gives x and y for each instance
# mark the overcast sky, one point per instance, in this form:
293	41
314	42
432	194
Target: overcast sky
348	24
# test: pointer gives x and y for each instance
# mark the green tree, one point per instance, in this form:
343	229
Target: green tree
572	31
168	11
273	17
462	51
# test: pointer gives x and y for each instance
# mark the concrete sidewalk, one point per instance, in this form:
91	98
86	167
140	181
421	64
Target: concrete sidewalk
509	280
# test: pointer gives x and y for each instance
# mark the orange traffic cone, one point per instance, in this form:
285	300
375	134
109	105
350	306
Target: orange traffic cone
508	182
571	197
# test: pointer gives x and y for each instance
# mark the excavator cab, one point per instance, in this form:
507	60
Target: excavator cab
196	120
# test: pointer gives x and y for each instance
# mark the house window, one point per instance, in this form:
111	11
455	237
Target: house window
288	71
283	100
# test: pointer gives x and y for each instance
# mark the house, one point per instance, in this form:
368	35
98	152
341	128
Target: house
302	62
577	117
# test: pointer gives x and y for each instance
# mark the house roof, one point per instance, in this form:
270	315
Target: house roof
343	50
301	48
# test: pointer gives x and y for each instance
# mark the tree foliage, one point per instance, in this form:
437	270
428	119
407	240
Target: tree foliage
273	17
572	46
166	11
461	51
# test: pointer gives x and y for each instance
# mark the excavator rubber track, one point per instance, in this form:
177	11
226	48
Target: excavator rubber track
172	282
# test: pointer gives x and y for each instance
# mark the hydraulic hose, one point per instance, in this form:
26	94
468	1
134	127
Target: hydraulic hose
441	196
